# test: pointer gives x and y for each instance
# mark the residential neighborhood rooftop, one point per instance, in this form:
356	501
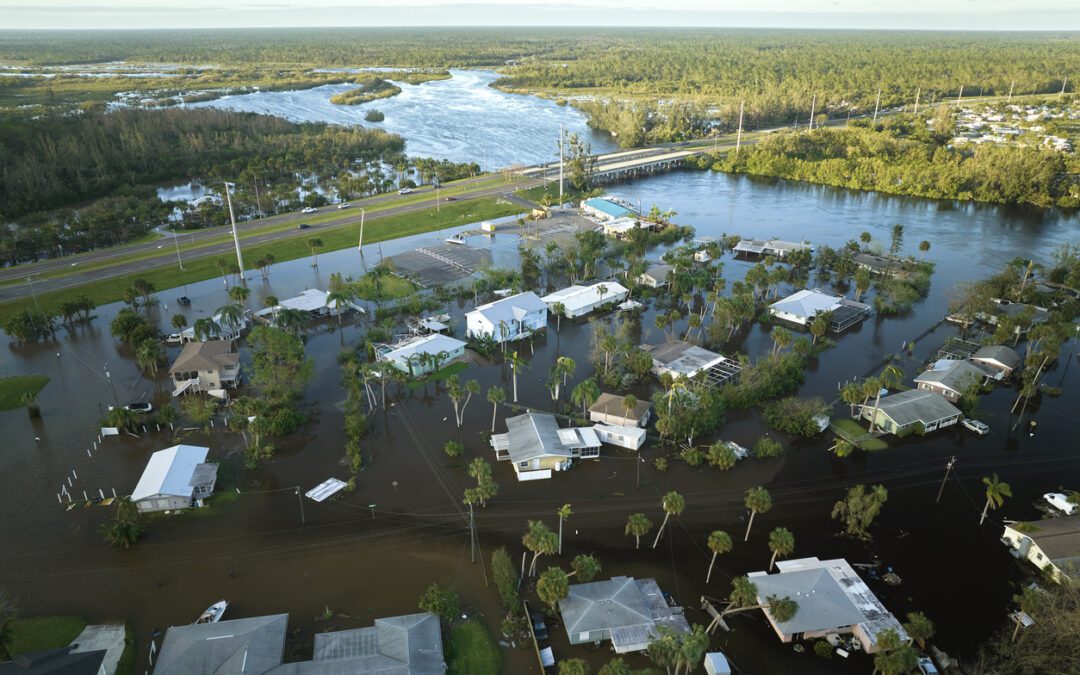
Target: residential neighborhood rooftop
512	308
535	435
1058	538
916	405
204	356
625	609
173	471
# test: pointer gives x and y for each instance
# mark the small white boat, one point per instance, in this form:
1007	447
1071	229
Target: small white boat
456	239
214	612
1060	502
979	428
630	305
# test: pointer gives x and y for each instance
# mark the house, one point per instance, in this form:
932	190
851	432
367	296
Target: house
832	598
62	661
877	264
313	302
682	359
421	355
536	445
620	228
913	411
226	331
802	306
580	300
951	378
1031	314
624	610
656	276
400	645
512	318
631	438
1052	545
205	366
602	209
175	478
611	409
774	247
998	358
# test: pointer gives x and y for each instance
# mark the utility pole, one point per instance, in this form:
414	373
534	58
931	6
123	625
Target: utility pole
738	137
640	459
30	281
918	92
108	376
176	243
1011	85
877	104
235	236
960	96
258	202
561	135
813	107
948	468
1062	92
303	521
472	534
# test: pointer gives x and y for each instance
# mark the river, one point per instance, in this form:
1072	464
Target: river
461	119
371	553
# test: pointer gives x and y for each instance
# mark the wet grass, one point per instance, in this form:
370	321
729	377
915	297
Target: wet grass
13	388
41	633
855	433
472	650
439	375
340	237
126	665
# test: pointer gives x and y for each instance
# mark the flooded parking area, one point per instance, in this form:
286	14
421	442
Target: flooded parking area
432	266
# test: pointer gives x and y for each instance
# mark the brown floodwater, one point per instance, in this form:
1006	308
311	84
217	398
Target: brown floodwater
372	552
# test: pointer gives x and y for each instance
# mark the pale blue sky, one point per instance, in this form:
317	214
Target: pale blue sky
885	14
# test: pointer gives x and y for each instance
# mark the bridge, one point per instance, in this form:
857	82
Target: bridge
622	165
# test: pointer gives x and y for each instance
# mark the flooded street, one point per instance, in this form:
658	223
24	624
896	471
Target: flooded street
461	119
372	552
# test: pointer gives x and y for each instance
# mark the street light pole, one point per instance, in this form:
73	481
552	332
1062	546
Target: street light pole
303	521
30	281
176	243
235	236
948	468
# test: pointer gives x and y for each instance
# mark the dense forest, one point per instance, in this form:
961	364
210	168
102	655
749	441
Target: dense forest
900	156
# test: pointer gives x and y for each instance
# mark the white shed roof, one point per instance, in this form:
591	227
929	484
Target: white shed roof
509	309
807	303
429	344
577	297
169	472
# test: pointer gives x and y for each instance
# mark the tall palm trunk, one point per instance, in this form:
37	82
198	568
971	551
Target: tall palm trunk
560	534
661	530
772	561
749	525
494	413
986	507
708	575
873	418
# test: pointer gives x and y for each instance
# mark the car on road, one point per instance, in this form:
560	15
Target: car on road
979	428
139	407
308	209
183	300
405	191
344	205
302	226
451	199
539	627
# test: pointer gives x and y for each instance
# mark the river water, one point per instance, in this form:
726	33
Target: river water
371	553
461	119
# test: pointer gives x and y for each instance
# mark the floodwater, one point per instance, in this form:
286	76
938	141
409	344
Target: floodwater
372	552
461	119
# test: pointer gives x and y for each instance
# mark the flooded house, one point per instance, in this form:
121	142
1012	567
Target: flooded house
680	359
536	446
1052	545
225	331
913	411
620	228
421	354
612	409
951	378
631	438
603	209
758	248
508	319
657	276
832	598
175	478
212	367
877	264
998	358
581	300
625	611
314	302
803	306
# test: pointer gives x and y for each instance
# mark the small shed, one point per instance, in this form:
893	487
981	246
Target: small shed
611	409
656	276
631	438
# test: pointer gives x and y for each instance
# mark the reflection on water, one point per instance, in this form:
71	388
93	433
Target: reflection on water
461	119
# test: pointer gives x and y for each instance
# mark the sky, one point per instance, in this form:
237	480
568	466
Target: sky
1057	15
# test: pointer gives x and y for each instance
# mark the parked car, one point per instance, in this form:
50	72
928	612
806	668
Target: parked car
174	339
139	407
975	426
539	627
926	666
404	191
1060	502
183	300
302	226
308	209
451	199
344	205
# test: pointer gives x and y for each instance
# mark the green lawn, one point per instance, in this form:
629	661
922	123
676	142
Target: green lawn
12	389
390	288
852	431
42	633
472	650
336	238
126	666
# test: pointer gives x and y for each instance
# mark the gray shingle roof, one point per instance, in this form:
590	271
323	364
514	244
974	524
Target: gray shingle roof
916	405
210	355
617	603
399	645
1006	356
1059	538
236	647
61	661
957	375
612	404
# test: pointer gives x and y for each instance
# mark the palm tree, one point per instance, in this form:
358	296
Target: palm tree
232	316
293	320
673	504
558	309
564	368
239	294
758	500
515	362
585	394
540	540
564	512
862	282
148	355
495	396
338	299
924	246
818	327
179	322
223	267
719	542
996	492
637	526
206	329
851	394
271	302
552	586
314	244
891	376
629	403
781	543
781	338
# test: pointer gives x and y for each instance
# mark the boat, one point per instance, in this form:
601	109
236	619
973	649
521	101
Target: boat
1060	502
979	428
455	239
214	612
630	305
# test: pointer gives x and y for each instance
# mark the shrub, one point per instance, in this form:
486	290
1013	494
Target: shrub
454	449
795	415
767	447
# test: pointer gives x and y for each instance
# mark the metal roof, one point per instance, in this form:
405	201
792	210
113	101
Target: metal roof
916	405
405	645
535	435
807	303
510	309
577	297
607	207
428	344
235	647
628	608
169	472
325	490
1006	356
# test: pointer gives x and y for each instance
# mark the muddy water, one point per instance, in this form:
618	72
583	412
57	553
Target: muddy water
363	561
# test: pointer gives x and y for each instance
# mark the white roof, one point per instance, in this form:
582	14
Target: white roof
169	472
576	297
509	309
807	303
325	490
429	344
311	300
620	225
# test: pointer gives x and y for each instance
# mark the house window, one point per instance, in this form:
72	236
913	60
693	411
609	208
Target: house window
1039	556
523	465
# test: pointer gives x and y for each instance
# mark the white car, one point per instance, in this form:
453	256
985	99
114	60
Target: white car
979	428
344	205
308	209
1060	502
405	191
